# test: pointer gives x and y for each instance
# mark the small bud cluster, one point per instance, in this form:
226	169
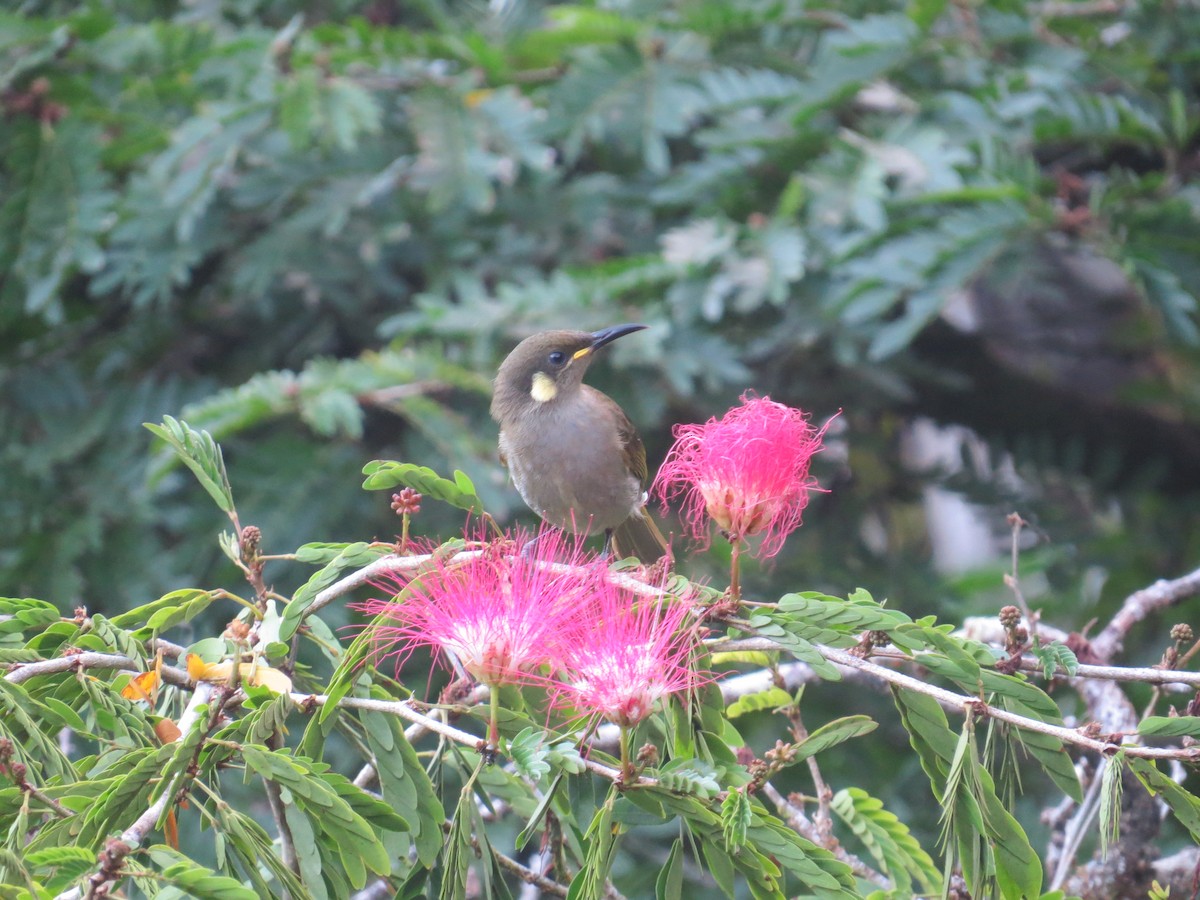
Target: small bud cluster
782	754
778	757
10	766
869	641
1017	633
407	502
251	541
33	102
1182	635
647	755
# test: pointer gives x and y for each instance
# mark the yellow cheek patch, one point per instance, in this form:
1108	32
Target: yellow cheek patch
544	389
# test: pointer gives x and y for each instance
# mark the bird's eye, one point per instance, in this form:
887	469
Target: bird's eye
557	357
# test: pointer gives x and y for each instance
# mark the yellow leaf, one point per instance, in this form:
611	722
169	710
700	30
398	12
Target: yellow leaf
252	673
142	687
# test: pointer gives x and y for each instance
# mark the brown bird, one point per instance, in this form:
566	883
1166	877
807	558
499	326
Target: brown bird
572	452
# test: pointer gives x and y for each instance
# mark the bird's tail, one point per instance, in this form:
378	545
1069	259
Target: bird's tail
639	536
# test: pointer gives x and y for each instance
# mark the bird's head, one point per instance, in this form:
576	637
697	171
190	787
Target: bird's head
548	366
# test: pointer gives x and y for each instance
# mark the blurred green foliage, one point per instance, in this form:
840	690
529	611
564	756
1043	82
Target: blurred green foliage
314	230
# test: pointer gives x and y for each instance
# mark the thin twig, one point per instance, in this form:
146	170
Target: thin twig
1077	827
967	703
822	821
90	660
796	820
414	732
1013	579
529	876
136	834
278	812
1139	605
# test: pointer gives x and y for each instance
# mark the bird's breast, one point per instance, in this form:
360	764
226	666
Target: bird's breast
567	461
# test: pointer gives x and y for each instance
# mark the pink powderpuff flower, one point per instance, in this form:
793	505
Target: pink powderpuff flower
748	472
625	654
500	612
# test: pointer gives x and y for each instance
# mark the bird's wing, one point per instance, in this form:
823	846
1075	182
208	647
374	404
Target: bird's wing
631	446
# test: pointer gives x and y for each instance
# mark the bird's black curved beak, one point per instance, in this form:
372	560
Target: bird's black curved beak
608	335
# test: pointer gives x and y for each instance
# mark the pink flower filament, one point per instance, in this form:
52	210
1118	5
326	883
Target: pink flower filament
500	613
629	656
747	472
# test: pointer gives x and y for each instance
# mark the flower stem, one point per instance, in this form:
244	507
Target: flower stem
626	764
494	719
735	570
404	532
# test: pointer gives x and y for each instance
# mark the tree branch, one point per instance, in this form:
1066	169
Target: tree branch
800	823
20	672
132	837
967	703
1140	604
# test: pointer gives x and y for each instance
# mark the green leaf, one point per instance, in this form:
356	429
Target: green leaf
18	615
134	777
253	847
772	698
1049	753
565	756
195	880
888	840
736	817
1110	801
528	753
21	718
404	783
602	839
800	647
316	792
57	208
925	12
720	866
1018	867
965	656
1047	750
1170	726
539	812
833	733
200	453
354	555
814	866
837	619
188	604
140	615
65	714
669	883
1054	656
687	777
386	474
1184	804
928	732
